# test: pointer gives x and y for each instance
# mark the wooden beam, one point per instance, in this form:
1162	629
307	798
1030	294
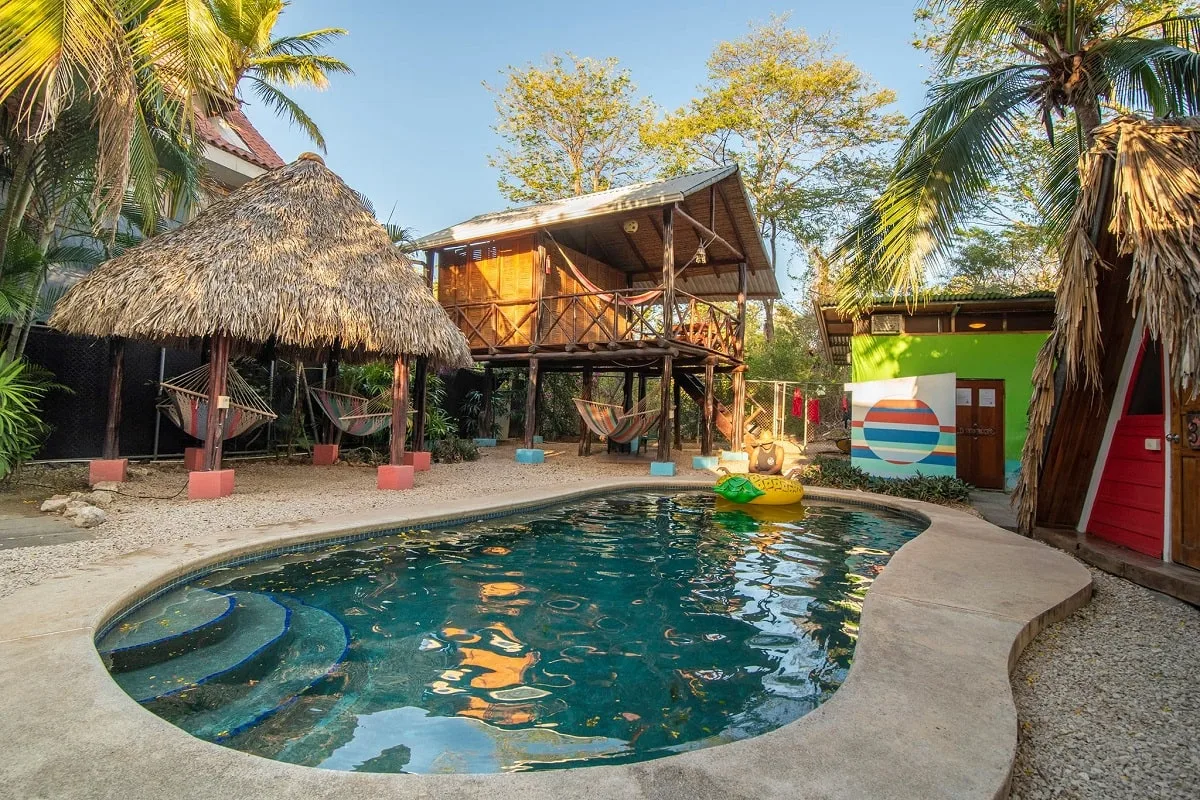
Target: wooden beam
709	411
540	264
116	380
737	235
678	417
487	422
585	355
701	228
430	256
218	367
627	392
531	398
668	269
399	410
664	394
585	436
633	246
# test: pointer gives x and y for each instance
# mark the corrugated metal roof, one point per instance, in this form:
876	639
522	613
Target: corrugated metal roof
611	201
954	297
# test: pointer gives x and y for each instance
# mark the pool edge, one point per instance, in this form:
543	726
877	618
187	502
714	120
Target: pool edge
851	746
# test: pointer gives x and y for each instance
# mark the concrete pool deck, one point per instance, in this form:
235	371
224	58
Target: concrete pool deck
925	712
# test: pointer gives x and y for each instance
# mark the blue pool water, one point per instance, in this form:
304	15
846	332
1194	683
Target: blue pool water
619	628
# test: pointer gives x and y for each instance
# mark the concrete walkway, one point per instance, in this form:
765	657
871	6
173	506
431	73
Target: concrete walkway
925	712
22	525
996	508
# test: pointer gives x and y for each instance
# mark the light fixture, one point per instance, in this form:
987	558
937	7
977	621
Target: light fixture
976	325
630	226
701	256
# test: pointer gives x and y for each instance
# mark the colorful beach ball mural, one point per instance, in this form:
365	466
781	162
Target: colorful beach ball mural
901	431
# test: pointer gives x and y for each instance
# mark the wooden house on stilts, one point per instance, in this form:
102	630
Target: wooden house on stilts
648	279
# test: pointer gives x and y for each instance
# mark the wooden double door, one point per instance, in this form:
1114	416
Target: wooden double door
1185	483
980	442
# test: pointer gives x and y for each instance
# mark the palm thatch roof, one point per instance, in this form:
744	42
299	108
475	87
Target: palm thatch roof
292	257
1142	177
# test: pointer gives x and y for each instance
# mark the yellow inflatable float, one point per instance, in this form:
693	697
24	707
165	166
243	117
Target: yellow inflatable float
760	490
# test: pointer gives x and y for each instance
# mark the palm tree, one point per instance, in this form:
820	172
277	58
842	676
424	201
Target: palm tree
1074	58
264	62
137	66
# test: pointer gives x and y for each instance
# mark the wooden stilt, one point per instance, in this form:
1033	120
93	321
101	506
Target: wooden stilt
116	378
678	418
664	421
333	434
421	390
739	372
399	410
487	421
709	412
627	393
585	436
531	404
218	368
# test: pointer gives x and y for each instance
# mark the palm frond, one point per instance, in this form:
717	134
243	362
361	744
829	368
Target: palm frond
982	22
1149	74
285	106
309	43
312	71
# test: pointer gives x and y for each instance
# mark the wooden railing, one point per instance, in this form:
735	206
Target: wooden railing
586	318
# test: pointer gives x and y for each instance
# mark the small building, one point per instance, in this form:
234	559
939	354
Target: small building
629	280
1114	445
990	341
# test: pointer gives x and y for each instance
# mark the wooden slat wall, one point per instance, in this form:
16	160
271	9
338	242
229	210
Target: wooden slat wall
560	281
1129	507
499	271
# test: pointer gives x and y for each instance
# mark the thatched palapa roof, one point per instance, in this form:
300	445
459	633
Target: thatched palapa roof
292	257
1142	178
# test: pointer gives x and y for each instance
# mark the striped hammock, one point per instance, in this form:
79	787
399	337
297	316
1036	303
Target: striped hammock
354	415
186	404
613	422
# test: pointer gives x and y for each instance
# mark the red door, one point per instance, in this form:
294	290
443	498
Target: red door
980	440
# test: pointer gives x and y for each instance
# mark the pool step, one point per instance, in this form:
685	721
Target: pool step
258	626
316	644
167	627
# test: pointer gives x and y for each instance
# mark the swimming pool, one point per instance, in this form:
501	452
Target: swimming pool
618	628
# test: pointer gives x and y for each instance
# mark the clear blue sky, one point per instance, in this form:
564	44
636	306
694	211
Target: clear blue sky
412	127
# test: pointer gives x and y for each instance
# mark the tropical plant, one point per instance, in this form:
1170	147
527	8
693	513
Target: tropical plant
22	388
1071	59
839	473
452	450
569	128
265	63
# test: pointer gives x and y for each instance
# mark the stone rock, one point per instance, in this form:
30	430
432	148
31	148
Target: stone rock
88	517
140	472
56	503
73	507
107	486
100	498
79	496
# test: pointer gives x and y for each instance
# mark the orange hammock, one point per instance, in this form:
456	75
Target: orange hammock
606	296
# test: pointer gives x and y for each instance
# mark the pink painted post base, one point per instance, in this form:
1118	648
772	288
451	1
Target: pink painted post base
324	455
395	476
193	459
209	485
419	460
107	469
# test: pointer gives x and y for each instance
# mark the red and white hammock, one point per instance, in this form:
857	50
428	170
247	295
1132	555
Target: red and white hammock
607	296
186	404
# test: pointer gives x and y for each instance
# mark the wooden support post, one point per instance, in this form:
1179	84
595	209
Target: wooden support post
739	372
585	437
430	261
664	428
627	393
709	412
678	417
668	273
218	368
531	404
541	264
487	421
399	410
333	433
421	388
116	379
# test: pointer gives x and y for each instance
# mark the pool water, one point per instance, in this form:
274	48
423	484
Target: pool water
616	629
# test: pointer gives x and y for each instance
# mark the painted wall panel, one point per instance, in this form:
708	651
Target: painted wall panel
904	427
1002	356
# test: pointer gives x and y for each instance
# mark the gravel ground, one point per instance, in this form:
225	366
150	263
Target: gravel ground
1109	702
271	493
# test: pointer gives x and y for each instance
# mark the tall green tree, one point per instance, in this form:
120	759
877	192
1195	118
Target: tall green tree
805	124
569	127
263	62
1060	63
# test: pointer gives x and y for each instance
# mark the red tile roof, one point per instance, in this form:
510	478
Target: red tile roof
260	153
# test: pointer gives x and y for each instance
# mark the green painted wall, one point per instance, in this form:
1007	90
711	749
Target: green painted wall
999	356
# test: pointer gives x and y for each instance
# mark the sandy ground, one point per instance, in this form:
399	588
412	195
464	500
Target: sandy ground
270	492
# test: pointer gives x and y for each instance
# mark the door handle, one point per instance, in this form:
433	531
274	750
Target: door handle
1173	438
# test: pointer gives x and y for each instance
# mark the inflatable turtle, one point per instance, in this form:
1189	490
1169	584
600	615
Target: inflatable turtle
762	490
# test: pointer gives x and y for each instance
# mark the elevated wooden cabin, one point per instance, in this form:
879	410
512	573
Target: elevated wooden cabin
648	278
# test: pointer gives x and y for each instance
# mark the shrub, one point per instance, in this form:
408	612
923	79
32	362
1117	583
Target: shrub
839	473
452	450
22	388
